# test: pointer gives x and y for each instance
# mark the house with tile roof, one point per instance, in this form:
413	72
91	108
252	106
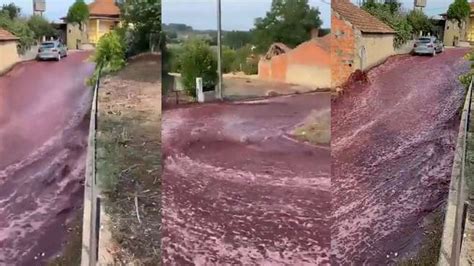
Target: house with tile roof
104	15
308	64
360	40
8	50
470	25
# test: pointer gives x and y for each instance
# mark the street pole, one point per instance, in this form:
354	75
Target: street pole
219	51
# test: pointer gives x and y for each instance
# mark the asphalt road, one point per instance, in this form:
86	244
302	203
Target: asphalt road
238	190
43	135
392	151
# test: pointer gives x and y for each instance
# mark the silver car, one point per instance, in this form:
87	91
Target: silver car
52	50
428	45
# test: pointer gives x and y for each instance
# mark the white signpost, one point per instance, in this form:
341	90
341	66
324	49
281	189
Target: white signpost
199	90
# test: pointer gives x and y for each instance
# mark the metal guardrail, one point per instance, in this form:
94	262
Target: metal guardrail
91	222
461	206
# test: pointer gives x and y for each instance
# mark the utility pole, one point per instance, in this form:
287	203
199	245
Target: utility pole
219	51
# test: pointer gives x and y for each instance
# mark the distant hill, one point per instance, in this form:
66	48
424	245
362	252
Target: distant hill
178	33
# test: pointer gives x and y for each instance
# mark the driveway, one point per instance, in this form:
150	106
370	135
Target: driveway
392	148
237	189
43	131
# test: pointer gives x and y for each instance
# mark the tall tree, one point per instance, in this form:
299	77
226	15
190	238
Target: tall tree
419	21
41	27
288	21
145	16
78	13
12	10
236	39
459	10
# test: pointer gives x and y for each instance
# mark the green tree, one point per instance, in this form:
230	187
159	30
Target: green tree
19	27
288	21
41	27
419	21
393	6
145	16
396	20
12	10
459	10
78	13
198	60
236	39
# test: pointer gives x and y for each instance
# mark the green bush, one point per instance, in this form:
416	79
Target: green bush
18	27
393	18
229	56
198	60
172	59
251	67
241	56
109	53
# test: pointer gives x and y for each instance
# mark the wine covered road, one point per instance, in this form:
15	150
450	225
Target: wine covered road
392	151
43	136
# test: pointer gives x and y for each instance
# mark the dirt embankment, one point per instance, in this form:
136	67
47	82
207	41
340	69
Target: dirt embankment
129	164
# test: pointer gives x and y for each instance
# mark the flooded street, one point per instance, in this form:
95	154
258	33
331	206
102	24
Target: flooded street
43	139
238	189
392	151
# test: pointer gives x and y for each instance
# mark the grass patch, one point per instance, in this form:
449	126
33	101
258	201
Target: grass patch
129	160
316	129
129	166
429	252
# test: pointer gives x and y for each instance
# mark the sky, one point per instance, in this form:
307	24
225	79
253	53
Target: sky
201	14
236	14
55	9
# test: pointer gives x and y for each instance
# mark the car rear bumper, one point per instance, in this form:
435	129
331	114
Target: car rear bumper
48	55
423	50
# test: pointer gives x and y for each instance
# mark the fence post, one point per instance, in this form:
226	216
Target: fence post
199	90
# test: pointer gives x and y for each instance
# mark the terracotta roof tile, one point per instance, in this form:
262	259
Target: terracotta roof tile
7	36
360	18
104	8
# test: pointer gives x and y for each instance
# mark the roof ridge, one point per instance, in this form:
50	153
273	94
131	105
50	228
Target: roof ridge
360	18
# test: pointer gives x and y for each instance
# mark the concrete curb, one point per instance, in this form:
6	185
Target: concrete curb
457	195
89	245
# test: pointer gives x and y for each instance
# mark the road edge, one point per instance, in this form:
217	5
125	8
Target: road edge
456	192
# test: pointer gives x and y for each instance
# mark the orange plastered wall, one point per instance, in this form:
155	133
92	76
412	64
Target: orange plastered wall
264	71
279	66
309	53
342	50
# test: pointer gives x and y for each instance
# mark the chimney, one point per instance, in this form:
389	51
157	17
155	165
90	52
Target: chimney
314	33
